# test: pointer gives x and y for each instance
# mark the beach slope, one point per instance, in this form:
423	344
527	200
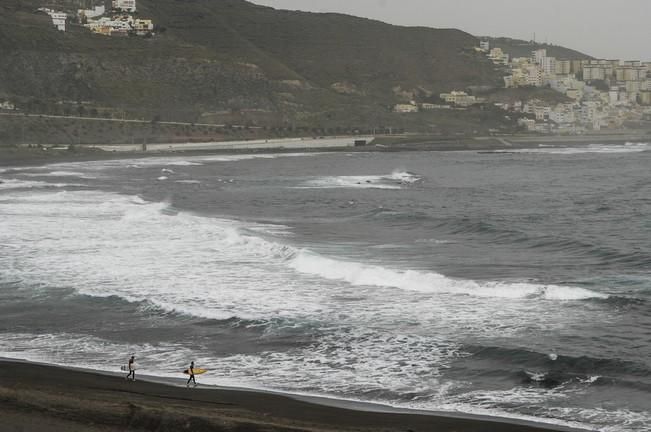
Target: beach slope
35	397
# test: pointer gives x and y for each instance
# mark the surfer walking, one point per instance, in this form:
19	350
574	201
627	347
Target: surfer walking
132	368
191	373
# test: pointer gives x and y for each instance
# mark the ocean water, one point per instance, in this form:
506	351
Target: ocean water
513	284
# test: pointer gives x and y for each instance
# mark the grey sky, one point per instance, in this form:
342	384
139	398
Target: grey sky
601	28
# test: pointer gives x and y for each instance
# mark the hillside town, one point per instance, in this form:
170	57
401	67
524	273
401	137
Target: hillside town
597	94
120	20
600	94
593	94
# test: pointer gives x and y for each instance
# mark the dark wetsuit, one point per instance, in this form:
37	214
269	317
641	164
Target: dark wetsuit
191	372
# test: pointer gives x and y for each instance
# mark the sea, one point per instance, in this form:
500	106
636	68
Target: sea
513	284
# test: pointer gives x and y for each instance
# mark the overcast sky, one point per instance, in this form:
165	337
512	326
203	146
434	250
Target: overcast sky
601	28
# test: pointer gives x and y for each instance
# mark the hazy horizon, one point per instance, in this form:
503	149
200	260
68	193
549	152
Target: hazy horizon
578	25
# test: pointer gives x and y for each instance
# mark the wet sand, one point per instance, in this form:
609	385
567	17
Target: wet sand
39	398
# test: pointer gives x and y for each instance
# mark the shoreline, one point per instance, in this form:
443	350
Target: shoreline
22	155
94	400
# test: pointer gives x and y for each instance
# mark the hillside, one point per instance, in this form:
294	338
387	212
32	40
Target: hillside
520	48
233	61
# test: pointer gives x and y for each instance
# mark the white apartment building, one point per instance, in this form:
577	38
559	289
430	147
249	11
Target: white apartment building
613	95
588	112
143	26
459	98
633	86
59	19
542	112
520	78
124	5
485	45
538	56
405	108
498	56
562	115
645	97
108	26
97	11
534	76
563	67
594	72
549	65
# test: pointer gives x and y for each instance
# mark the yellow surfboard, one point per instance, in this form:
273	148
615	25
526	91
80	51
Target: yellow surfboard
197	371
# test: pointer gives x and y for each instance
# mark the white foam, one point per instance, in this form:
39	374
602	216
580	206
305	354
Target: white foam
592	148
434	241
405	177
361	182
7	184
590	379
391	181
60	174
371	329
358	274
330	362
244	157
180	161
183	163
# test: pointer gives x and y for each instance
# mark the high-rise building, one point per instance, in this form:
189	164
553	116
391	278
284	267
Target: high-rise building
538	56
549	65
563	67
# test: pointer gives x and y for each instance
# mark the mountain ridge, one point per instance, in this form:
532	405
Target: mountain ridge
296	62
235	62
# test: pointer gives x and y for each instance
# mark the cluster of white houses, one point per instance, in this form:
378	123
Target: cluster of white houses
603	93
453	100
119	22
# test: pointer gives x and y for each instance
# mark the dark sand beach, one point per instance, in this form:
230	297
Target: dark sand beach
36	397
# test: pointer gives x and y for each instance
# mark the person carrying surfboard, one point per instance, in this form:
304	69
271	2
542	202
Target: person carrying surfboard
132	368
191	373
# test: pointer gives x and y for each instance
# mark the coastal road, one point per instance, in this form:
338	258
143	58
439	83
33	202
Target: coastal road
261	144
110	119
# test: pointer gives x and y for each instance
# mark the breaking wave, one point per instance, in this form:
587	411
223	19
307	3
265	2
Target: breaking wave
220	275
358	274
8	184
395	180
592	148
60	174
